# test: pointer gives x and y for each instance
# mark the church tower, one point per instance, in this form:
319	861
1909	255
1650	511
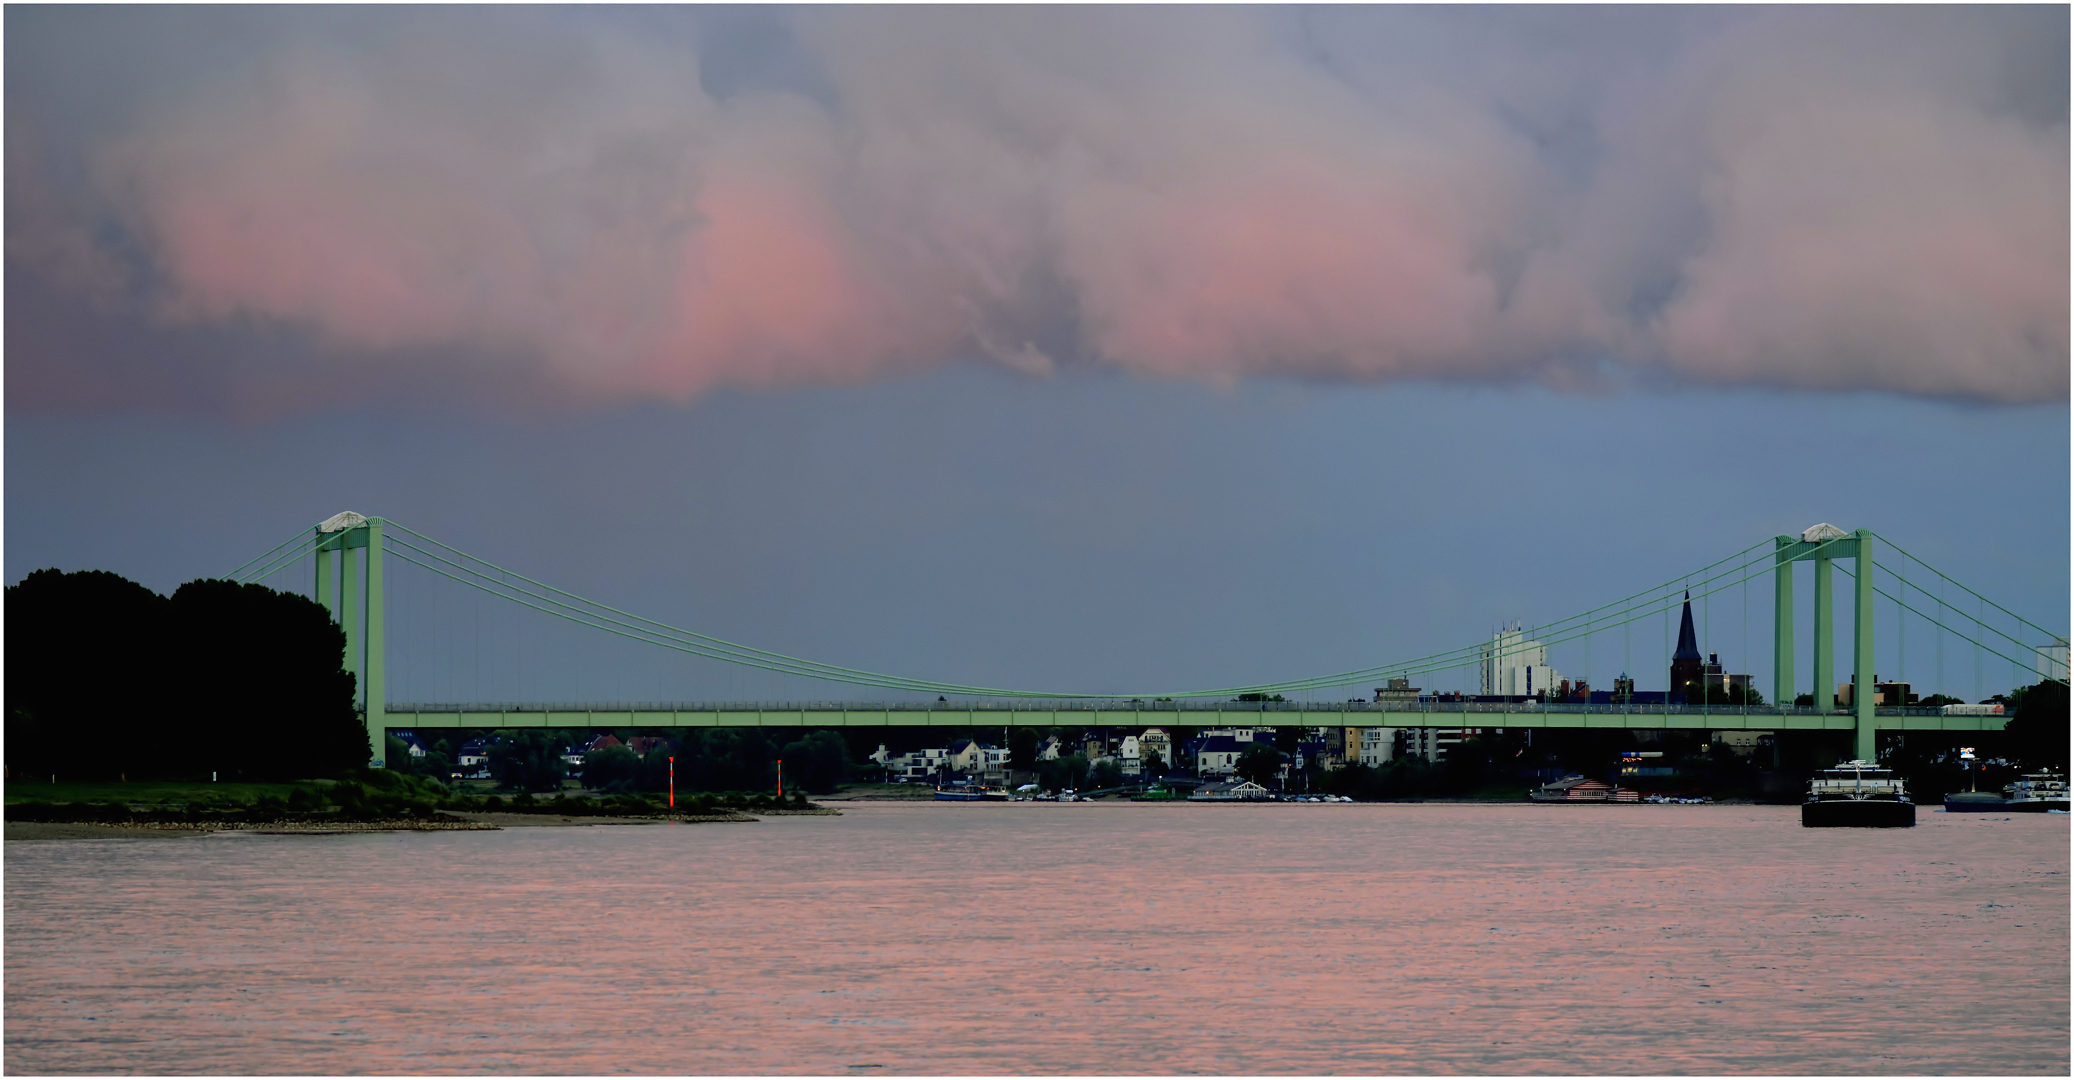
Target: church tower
1685	663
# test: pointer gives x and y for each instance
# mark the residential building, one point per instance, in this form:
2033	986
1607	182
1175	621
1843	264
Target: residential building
1720	682
1883	693
1128	756
2052	659
473	761
966	756
1051	749
1399	694
1432	743
1375	746
1512	666
917	766
1157	748
642	745
1218	754
1743	743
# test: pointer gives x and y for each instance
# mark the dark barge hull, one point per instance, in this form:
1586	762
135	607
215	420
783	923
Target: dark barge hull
1867	814
1972	802
2038	806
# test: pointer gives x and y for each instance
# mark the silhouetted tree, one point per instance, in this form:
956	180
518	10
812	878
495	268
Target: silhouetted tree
1022	748
815	763
262	685
726	759
1061	773
527	760
613	764
87	676
1260	763
2038	732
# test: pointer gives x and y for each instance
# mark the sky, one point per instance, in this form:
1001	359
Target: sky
1095	349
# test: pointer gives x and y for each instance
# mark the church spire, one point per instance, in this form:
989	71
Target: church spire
1688	642
1685	663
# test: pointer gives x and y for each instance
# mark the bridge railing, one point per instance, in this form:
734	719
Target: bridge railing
1350	708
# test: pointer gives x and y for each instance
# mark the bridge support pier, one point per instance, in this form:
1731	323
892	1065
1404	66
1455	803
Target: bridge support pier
1813	547
1861	651
357	608
327	587
377	647
1783	690
1825	636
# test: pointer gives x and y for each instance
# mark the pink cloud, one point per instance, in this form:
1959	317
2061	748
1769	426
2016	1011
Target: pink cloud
1181	196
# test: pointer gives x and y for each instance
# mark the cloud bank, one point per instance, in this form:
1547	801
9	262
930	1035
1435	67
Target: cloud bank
604	206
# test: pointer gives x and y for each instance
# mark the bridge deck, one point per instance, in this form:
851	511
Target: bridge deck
419	716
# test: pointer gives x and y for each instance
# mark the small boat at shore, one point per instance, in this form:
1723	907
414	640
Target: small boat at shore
970	794
1857	794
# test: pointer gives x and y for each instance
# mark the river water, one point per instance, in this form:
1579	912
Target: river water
1041	938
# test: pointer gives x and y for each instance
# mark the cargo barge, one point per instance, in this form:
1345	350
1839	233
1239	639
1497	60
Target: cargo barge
1857	794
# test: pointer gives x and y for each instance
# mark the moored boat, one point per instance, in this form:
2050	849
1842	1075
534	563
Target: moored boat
2035	793
1857	794
958	795
1974	802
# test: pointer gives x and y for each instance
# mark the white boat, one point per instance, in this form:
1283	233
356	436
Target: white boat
2035	793
1860	794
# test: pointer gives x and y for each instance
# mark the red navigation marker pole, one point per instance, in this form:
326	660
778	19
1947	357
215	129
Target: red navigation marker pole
781	778
673	783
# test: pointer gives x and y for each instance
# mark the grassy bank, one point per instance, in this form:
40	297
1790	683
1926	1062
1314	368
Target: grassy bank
148	791
377	795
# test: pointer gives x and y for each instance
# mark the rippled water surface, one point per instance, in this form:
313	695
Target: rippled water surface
941	938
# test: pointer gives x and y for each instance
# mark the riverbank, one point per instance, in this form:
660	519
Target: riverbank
444	821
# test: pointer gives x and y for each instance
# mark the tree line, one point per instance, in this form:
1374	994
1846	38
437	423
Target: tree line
713	760
109	680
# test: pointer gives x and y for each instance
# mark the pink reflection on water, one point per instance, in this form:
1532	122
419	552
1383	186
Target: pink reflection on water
1038	938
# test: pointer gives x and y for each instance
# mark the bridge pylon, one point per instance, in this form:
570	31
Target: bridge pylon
356	605
1820	544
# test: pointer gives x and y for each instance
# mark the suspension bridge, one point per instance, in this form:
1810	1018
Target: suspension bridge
350	565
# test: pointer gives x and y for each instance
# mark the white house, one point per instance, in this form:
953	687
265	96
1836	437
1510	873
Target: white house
1156	748
1218	755
1376	747
916	766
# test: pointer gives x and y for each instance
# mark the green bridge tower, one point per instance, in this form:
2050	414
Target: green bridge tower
358	608
1820	544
